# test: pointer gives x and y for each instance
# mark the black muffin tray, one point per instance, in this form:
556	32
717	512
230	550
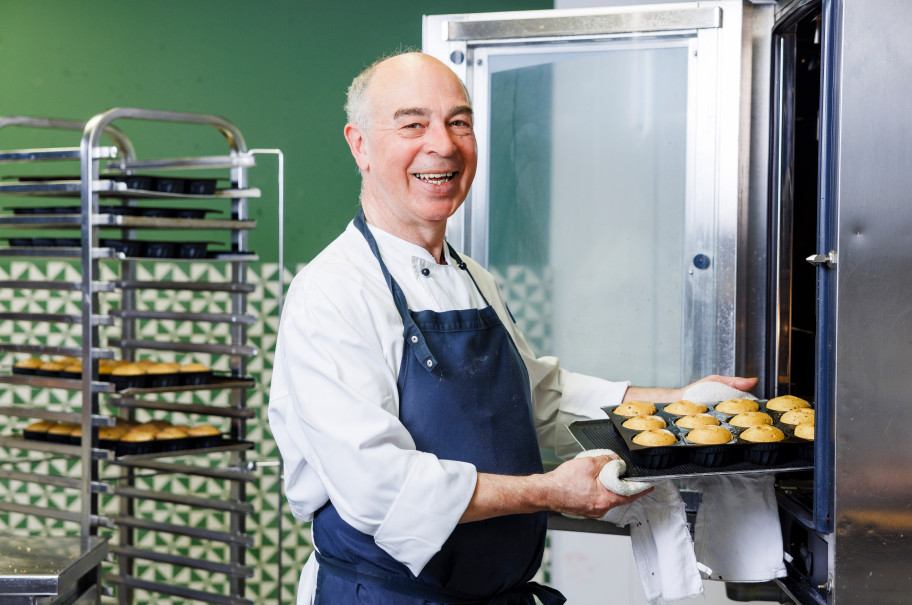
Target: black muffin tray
133	448
144	211
684	458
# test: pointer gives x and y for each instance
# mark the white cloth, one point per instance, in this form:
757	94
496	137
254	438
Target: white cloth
737	533
333	406
659	534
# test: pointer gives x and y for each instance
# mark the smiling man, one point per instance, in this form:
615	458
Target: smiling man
407	405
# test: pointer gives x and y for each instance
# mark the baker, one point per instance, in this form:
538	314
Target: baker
407	406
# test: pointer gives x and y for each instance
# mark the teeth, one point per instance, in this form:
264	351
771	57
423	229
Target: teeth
435	178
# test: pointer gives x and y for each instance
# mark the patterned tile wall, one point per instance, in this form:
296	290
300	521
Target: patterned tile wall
277	537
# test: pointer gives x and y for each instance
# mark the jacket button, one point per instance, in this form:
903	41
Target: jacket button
425	272
414	339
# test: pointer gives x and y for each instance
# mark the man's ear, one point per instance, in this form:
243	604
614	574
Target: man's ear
357	143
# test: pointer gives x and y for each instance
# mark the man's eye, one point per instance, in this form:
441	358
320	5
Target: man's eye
461	124
415	125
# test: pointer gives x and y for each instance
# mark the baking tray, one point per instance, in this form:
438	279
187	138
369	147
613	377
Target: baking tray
602	434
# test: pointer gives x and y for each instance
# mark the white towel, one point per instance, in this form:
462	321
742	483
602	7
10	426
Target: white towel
659	535
737	532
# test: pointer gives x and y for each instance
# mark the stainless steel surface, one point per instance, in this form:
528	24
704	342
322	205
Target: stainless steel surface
178	316
98	320
196	596
717	153
55	383
871	189
54	350
184	499
183	530
46	565
244	160
196	286
170	559
585	25
187	408
61	153
187	347
231	474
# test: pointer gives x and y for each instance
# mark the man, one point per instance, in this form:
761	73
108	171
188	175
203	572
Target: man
405	401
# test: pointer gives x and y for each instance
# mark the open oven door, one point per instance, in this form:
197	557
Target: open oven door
610	199
612	174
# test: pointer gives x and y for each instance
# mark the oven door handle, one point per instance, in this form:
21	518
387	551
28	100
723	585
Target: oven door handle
829	259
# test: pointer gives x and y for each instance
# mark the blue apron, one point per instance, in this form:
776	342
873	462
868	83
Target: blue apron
463	395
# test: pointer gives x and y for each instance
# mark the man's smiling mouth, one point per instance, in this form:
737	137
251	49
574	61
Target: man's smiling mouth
435	178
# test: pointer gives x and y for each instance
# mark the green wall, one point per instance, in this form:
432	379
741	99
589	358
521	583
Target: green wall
278	69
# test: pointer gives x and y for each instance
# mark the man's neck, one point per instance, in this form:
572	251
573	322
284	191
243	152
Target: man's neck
428	236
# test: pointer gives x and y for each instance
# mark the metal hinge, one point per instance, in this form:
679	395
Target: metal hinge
829	258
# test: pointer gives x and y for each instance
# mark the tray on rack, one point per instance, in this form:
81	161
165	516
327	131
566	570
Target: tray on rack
602	434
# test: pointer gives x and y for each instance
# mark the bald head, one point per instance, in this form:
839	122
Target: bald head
357	104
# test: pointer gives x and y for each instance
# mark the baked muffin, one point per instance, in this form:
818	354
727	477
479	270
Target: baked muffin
64	429
786	403
203	430
171	432
737	406
805	430
27	366
42	426
194	374
685	408
655	438
644	423
709	435
797	416
130	375
748	419
112	433
635	408
762	433
695	420
49	368
138	436
163	374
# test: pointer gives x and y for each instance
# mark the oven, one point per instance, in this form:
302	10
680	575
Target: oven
752	191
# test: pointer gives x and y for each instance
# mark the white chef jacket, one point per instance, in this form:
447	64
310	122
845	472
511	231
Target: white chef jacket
334	402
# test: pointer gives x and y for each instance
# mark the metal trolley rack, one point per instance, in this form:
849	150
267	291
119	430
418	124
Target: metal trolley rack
103	173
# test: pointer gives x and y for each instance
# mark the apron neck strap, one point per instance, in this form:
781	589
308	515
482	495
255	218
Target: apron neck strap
413	336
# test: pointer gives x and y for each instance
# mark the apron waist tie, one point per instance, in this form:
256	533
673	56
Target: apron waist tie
519	595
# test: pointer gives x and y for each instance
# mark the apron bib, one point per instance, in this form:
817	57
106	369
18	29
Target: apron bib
463	395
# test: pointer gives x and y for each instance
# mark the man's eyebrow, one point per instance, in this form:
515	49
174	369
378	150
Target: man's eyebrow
410	111
421	112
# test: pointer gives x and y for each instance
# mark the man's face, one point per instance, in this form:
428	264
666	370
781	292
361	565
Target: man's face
418	156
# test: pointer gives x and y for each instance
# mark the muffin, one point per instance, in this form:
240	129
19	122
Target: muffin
27	366
695	420
194	374
163	374
171	432
798	415
63	428
748	419
737	406
128	376
635	408
685	408
786	403
203	430
805	430
644	423
762	433
138	436
655	438
49	368
72	371
112	433
42	426
709	435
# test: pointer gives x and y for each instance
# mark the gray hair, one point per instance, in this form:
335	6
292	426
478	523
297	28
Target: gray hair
356	107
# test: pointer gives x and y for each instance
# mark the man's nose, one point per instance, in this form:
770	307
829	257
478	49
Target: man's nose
440	139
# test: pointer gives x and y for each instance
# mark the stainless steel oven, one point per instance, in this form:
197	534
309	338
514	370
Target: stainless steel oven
725	184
